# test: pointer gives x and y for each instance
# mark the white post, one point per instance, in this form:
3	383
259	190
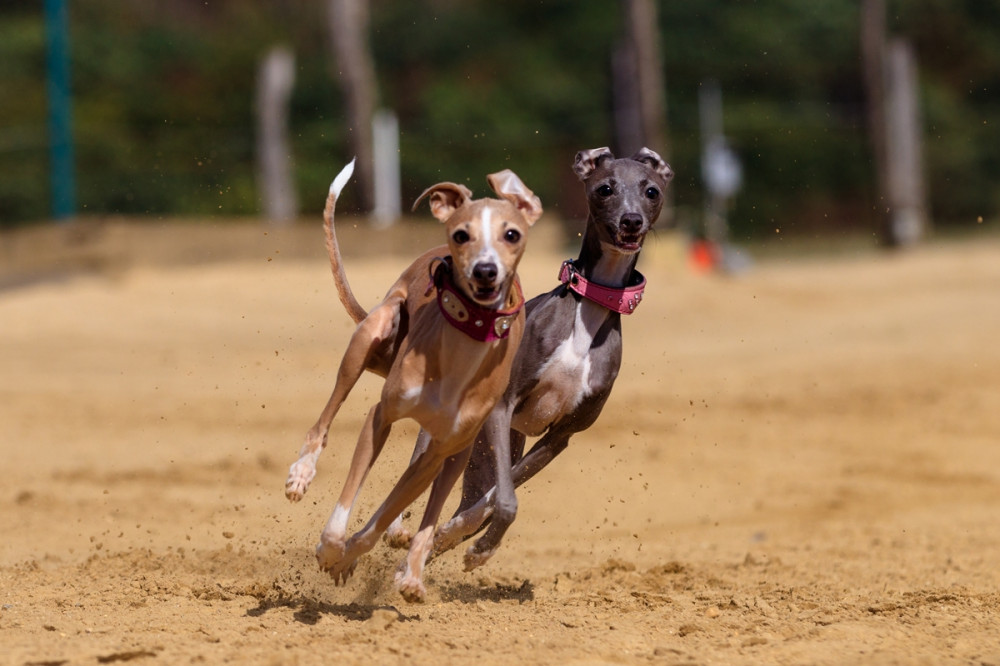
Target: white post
905	186
388	192
720	168
275	80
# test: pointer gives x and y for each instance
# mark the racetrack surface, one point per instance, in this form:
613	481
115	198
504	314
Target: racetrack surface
799	465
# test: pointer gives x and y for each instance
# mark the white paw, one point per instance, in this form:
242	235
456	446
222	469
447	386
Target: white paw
410	587
330	557
300	475
398	536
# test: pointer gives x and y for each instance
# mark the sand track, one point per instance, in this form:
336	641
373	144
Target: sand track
797	466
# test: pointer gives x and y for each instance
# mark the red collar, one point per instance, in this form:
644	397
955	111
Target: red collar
478	322
623	300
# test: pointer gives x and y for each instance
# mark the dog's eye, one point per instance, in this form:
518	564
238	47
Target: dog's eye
461	236
512	235
652	193
605	190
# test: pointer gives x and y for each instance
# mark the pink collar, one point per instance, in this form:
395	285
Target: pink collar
623	300
478	322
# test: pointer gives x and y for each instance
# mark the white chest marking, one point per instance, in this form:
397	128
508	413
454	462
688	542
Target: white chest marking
564	379
571	359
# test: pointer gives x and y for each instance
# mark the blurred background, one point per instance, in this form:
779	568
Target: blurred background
872	117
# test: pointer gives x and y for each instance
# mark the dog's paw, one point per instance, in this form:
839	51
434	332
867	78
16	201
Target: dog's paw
397	536
340	570
340	574
449	535
474	558
300	475
330	557
410	587
294	492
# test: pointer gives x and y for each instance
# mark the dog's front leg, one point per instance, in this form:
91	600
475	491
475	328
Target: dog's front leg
478	494
488	508
409	578
504	499
378	326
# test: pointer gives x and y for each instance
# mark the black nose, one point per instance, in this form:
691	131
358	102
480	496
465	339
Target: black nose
631	223
485	272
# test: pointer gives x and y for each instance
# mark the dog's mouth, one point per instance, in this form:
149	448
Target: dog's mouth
629	242
484	294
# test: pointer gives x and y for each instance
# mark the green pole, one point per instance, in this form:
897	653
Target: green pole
60	110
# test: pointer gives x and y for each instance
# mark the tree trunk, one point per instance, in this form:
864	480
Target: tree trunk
639	92
348	21
629	136
643	31
872	63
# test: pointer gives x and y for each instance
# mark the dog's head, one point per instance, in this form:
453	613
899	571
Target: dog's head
625	195
486	237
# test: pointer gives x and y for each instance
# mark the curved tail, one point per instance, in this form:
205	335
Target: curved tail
351	304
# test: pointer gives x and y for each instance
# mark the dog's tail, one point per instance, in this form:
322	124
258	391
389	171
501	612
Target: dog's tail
351	304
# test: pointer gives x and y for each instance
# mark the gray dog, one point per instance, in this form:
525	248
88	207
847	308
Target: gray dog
571	351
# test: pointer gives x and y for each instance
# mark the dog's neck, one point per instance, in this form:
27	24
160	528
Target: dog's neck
603	263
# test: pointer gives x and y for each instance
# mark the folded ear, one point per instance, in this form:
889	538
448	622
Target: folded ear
508	186
655	162
445	199
587	160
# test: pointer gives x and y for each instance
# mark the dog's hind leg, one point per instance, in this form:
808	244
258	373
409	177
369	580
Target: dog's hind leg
332	542
414	481
370	333
397	536
541	454
409	578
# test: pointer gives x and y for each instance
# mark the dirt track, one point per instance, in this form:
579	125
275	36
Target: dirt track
799	466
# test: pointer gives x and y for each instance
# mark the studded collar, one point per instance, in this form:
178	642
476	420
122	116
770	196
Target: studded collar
623	300
478	322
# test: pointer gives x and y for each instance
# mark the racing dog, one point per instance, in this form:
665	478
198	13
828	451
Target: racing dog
571	351
444	338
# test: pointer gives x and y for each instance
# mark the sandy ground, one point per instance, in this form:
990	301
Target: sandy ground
798	466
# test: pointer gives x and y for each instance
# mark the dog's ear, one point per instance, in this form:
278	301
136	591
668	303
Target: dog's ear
445	199
508	186
655	162
588	160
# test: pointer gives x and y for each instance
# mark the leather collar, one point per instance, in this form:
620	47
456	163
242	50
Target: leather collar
623	300
478	322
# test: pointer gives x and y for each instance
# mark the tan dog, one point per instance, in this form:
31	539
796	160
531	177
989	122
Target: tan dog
444	338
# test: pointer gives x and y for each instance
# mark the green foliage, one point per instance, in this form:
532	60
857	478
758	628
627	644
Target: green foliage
959	55
484	86
24	177
790	79
163	101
